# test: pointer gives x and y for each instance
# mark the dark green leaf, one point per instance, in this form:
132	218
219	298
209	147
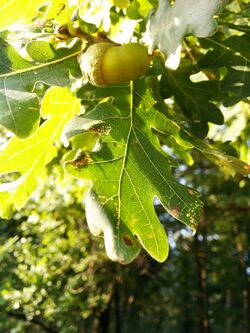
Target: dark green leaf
234	54
197	100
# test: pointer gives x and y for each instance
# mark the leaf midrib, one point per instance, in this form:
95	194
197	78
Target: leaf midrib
36	67
125	160
123	170
231	50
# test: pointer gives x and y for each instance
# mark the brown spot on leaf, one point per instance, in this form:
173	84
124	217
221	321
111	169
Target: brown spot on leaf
81	161
95	130
137	144
247	167
175	211
127	240
101	129
190	191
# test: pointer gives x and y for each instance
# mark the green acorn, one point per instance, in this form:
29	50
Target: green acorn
107	63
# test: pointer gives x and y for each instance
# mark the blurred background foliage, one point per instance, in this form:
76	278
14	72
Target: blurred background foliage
55	276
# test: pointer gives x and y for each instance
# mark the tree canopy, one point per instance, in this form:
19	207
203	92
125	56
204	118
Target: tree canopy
137	172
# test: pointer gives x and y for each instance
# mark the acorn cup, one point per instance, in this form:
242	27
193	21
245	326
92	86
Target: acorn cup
106	63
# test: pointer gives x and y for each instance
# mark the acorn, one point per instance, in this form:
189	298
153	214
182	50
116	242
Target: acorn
106	63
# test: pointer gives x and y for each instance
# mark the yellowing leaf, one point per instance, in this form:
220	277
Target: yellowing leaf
59	101
61	11
14	12
19	105
30	156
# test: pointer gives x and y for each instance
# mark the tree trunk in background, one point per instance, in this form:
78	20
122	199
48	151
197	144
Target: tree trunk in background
96	325
117	309
243	265
201	259
101	321
228	306
187	323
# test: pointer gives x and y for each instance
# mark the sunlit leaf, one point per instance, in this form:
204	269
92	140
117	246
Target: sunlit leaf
15	11
30	156
19	106
228	163
127	173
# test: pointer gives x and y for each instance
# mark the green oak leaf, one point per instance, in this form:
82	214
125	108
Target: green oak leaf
230	164
40	51
197	100
19	104
127	171
138	9
29	156
232	53
238	27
